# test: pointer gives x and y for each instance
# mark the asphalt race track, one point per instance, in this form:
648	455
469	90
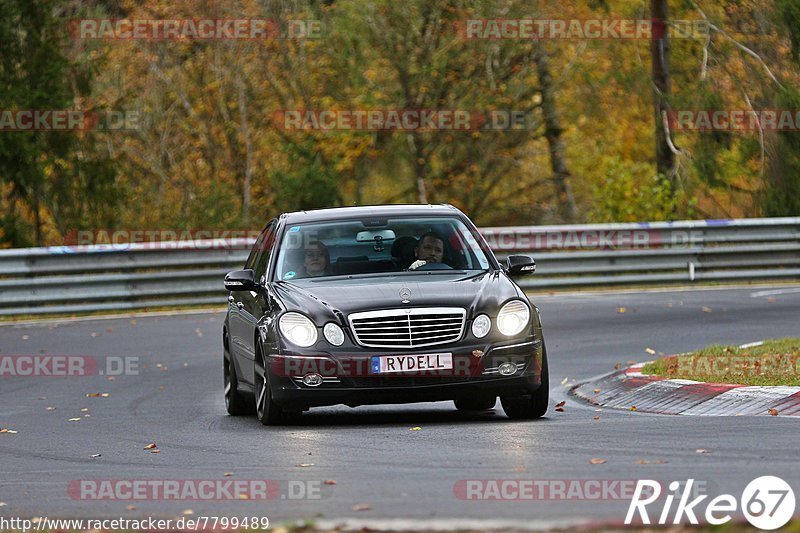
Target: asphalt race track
378	463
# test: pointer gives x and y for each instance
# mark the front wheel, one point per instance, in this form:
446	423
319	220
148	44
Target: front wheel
536	405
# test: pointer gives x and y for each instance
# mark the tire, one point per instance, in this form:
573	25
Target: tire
235	403
536	405
477	403
267	411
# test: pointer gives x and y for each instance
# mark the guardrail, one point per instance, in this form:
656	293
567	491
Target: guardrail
80	279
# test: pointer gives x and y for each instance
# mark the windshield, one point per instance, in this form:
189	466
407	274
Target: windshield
378	245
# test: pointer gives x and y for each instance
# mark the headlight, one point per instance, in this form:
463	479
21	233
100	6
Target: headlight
298	329
481	326
333	333
513	317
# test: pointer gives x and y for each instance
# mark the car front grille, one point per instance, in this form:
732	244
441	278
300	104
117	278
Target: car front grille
408	328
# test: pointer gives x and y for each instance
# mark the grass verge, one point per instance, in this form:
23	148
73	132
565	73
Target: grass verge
770	362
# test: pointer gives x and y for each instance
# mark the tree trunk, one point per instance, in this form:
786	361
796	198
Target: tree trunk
420	167
552	132
248	172
659	50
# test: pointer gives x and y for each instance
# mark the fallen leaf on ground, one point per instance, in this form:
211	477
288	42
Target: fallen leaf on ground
155	451
564	381
25	337
50	408
361	507
596	391
773	412
85	410
96	455
597	418
131	508
95	334
187	512
617	366
621	309
772	299
2	504
633	407
701	450
415	428
597	461
151	446
227	474
560	409
707	309
650	351
329	482
304	465
73	420
561	404
9	431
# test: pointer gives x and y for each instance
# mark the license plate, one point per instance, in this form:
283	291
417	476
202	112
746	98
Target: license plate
387	364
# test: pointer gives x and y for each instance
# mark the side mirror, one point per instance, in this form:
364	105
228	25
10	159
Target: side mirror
240	280
520	264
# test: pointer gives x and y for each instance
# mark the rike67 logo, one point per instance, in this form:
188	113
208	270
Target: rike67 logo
767	503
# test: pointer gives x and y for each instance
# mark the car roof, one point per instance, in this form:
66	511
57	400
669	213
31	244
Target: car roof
337	213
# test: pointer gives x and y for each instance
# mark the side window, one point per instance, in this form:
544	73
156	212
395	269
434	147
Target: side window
251	259
263	250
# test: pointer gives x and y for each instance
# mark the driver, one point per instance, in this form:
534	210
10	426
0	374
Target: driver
430	249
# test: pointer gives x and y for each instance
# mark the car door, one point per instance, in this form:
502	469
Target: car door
252	304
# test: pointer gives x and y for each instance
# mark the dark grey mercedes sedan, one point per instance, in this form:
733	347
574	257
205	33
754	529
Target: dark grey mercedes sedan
380	304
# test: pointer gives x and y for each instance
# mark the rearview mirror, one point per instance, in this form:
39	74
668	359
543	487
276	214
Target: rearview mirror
520	264
240	280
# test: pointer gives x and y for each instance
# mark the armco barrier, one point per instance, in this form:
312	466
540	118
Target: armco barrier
137	276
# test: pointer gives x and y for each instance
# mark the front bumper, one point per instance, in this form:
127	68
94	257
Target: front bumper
347	380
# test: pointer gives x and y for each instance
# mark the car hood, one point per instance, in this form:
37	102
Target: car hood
324	298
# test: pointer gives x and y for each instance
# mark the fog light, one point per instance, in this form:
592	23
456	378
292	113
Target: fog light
507	369
312	380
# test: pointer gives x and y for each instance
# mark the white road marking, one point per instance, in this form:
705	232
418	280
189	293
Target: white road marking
775	292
